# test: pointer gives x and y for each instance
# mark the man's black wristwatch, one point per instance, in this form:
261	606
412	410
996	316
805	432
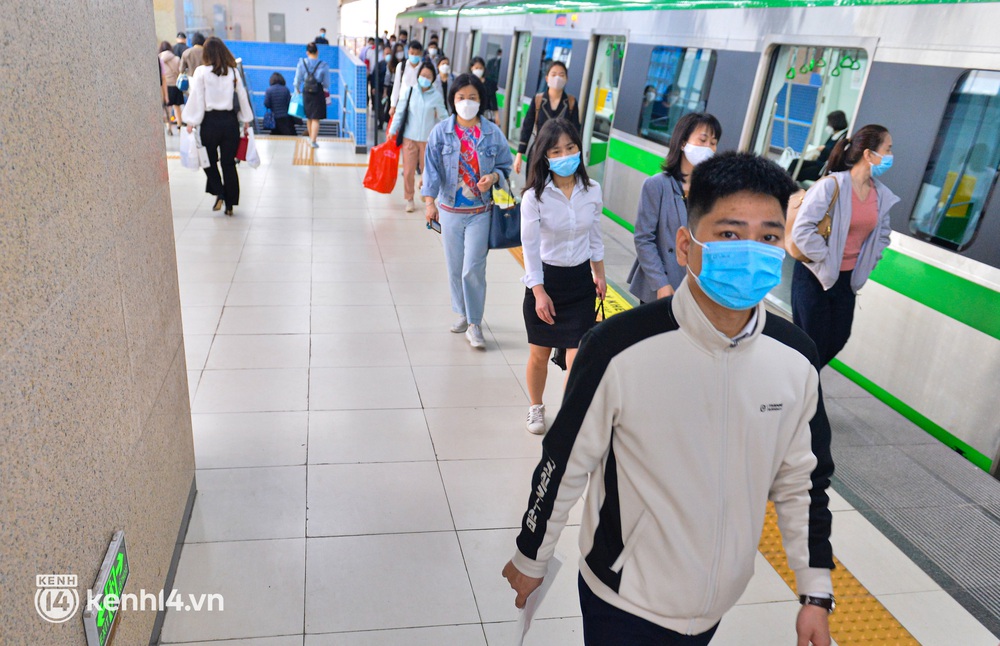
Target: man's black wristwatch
827	604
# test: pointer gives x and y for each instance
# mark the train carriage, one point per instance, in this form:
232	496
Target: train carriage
926	337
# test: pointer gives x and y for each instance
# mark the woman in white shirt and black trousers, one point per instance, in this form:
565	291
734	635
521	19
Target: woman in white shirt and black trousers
218	103
563	254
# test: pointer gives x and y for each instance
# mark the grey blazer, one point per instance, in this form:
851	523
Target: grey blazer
662	212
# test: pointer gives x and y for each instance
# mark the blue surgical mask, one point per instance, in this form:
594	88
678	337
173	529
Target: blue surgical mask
883	166
423	82
564	166
738	275
415	59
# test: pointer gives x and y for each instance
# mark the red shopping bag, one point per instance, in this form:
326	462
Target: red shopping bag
241	149
383	167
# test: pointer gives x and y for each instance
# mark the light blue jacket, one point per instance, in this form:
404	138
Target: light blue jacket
320	70
444	149
826	255
426	109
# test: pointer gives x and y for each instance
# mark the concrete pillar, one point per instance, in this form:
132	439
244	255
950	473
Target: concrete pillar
95	426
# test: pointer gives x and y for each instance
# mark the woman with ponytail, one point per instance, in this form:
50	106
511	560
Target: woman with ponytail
825	287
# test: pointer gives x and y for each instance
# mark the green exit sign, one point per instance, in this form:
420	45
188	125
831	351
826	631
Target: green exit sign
99	617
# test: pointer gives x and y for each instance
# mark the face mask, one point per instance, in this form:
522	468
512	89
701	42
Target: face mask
423	82
738	275
557	82
564	166
650	96
829	131
444	69
479	72
697	154
467	109
432	52
399	56
885	165
415	59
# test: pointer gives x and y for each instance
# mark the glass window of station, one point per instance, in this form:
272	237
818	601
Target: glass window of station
963	167
677	83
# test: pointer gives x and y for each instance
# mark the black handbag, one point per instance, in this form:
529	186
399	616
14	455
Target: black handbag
402	121
505	223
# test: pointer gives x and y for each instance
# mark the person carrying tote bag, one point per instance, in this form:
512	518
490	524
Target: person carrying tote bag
857	205
563	254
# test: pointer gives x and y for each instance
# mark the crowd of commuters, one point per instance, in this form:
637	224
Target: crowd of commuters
710	240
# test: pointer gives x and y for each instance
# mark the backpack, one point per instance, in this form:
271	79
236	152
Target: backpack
565	106
311	85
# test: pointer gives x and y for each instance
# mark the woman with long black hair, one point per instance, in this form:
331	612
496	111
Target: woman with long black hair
563	254
217	105
663	208
825	288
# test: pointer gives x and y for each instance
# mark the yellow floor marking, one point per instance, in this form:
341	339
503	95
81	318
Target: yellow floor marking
860	617
173	156
305	155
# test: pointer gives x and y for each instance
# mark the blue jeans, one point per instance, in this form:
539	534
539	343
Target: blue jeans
466	243
606	625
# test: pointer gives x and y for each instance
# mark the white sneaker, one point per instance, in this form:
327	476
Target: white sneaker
536	419
410	208
461	325
314	144
475	336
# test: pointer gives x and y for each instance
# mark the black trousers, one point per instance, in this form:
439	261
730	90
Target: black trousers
284	126
220	134
605	625
825	315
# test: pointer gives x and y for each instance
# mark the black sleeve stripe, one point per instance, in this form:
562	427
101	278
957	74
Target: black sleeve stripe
820	518
599	346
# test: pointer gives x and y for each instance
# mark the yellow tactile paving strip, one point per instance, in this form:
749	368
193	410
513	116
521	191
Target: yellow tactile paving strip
305	155
860	618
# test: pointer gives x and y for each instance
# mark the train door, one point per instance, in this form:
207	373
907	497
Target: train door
477	44
605	75
515	94
809	103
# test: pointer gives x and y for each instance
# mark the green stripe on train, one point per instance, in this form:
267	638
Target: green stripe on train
907	411
955	297
574	6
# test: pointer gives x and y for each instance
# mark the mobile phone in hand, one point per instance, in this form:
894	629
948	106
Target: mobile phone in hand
434	225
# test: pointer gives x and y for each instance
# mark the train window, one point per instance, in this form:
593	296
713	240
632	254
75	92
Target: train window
519	104
494	60
555	49
677	83
477	43
606	75
806	87
444	42
963	167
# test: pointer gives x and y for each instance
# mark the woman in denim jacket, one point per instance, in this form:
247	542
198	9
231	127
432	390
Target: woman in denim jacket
465	157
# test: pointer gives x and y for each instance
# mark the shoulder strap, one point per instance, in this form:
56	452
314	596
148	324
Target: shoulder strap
571	102
538	101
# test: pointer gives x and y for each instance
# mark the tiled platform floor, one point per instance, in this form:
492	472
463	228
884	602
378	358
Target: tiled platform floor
361	470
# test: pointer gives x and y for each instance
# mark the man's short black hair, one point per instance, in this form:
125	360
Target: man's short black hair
311	48
181	34
199	38
414	45
730	173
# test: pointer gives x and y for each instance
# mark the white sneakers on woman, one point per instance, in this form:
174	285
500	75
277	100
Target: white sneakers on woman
410	206
475	336
461	325
536	419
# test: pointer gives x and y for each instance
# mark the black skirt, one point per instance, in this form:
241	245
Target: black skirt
573	296
314	105
174	96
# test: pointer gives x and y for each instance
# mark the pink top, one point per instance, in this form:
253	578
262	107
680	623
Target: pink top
864	218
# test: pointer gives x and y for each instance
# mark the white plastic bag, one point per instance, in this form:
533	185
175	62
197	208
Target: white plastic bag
788	155
253	158
189	150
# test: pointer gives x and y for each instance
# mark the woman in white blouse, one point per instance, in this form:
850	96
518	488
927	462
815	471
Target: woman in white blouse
563	254
217	104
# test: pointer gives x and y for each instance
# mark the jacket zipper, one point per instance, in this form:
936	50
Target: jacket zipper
713	589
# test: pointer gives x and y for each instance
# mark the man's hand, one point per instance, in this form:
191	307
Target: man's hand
525	585
664	291
813	626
